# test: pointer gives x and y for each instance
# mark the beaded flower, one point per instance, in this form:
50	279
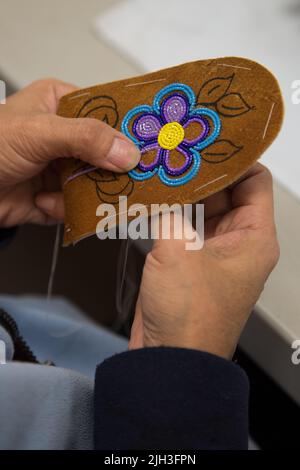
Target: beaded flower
162	128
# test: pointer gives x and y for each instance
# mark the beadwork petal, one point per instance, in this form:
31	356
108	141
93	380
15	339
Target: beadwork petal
176	171
126	123
181	88
174	108
143	124
155	163
147	126
183	179
216	126
203	133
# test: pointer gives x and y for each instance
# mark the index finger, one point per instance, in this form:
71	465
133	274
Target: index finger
40	96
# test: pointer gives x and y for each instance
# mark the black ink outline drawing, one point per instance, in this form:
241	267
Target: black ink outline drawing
210	88
245	108
226	155
101	177
212	93
112	107
223	81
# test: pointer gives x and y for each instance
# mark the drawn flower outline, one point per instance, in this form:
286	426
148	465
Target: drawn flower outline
162	127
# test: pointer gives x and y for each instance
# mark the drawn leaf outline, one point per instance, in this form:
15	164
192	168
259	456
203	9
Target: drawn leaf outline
233	105
220	151
214	89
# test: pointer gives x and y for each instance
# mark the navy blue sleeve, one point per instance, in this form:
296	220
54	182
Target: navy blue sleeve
169	398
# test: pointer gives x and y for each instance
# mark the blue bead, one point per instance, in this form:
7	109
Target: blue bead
136	175
156	109
173	87
216	125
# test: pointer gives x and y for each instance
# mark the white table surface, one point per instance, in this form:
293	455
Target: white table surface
158	34
56	38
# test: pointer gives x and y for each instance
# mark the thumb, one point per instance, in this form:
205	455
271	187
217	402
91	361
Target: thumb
173	233
50	137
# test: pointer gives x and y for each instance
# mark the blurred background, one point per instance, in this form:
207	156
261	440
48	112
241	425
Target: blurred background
97	41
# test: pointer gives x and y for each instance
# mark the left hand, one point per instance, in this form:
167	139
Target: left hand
32	136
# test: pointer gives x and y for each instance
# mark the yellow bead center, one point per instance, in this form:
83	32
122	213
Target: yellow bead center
171	135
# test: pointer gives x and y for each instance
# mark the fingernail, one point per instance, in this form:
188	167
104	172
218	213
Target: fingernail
124	155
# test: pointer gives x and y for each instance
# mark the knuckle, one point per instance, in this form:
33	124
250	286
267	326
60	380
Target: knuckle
33	125
274	254
88	130
267	173
89	133
18	130
85	133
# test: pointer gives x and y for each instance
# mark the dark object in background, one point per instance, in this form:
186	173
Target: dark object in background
85	274
22	351
7	235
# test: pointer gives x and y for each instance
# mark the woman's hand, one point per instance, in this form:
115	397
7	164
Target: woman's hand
202	299
32	136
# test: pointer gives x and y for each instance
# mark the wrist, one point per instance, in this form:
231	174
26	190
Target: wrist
219	350
213	344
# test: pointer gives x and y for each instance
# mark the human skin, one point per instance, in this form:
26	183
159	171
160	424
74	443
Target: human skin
202	299
190	299
32	137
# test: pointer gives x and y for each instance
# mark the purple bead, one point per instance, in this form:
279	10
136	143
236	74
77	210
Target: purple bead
150	166
147	127
203	134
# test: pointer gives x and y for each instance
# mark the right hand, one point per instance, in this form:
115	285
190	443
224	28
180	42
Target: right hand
202	299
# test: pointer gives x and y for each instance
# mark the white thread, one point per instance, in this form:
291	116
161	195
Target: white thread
268	121
145	83
75	326
123	295
210	182
79	96
53	262
235	66
122	265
